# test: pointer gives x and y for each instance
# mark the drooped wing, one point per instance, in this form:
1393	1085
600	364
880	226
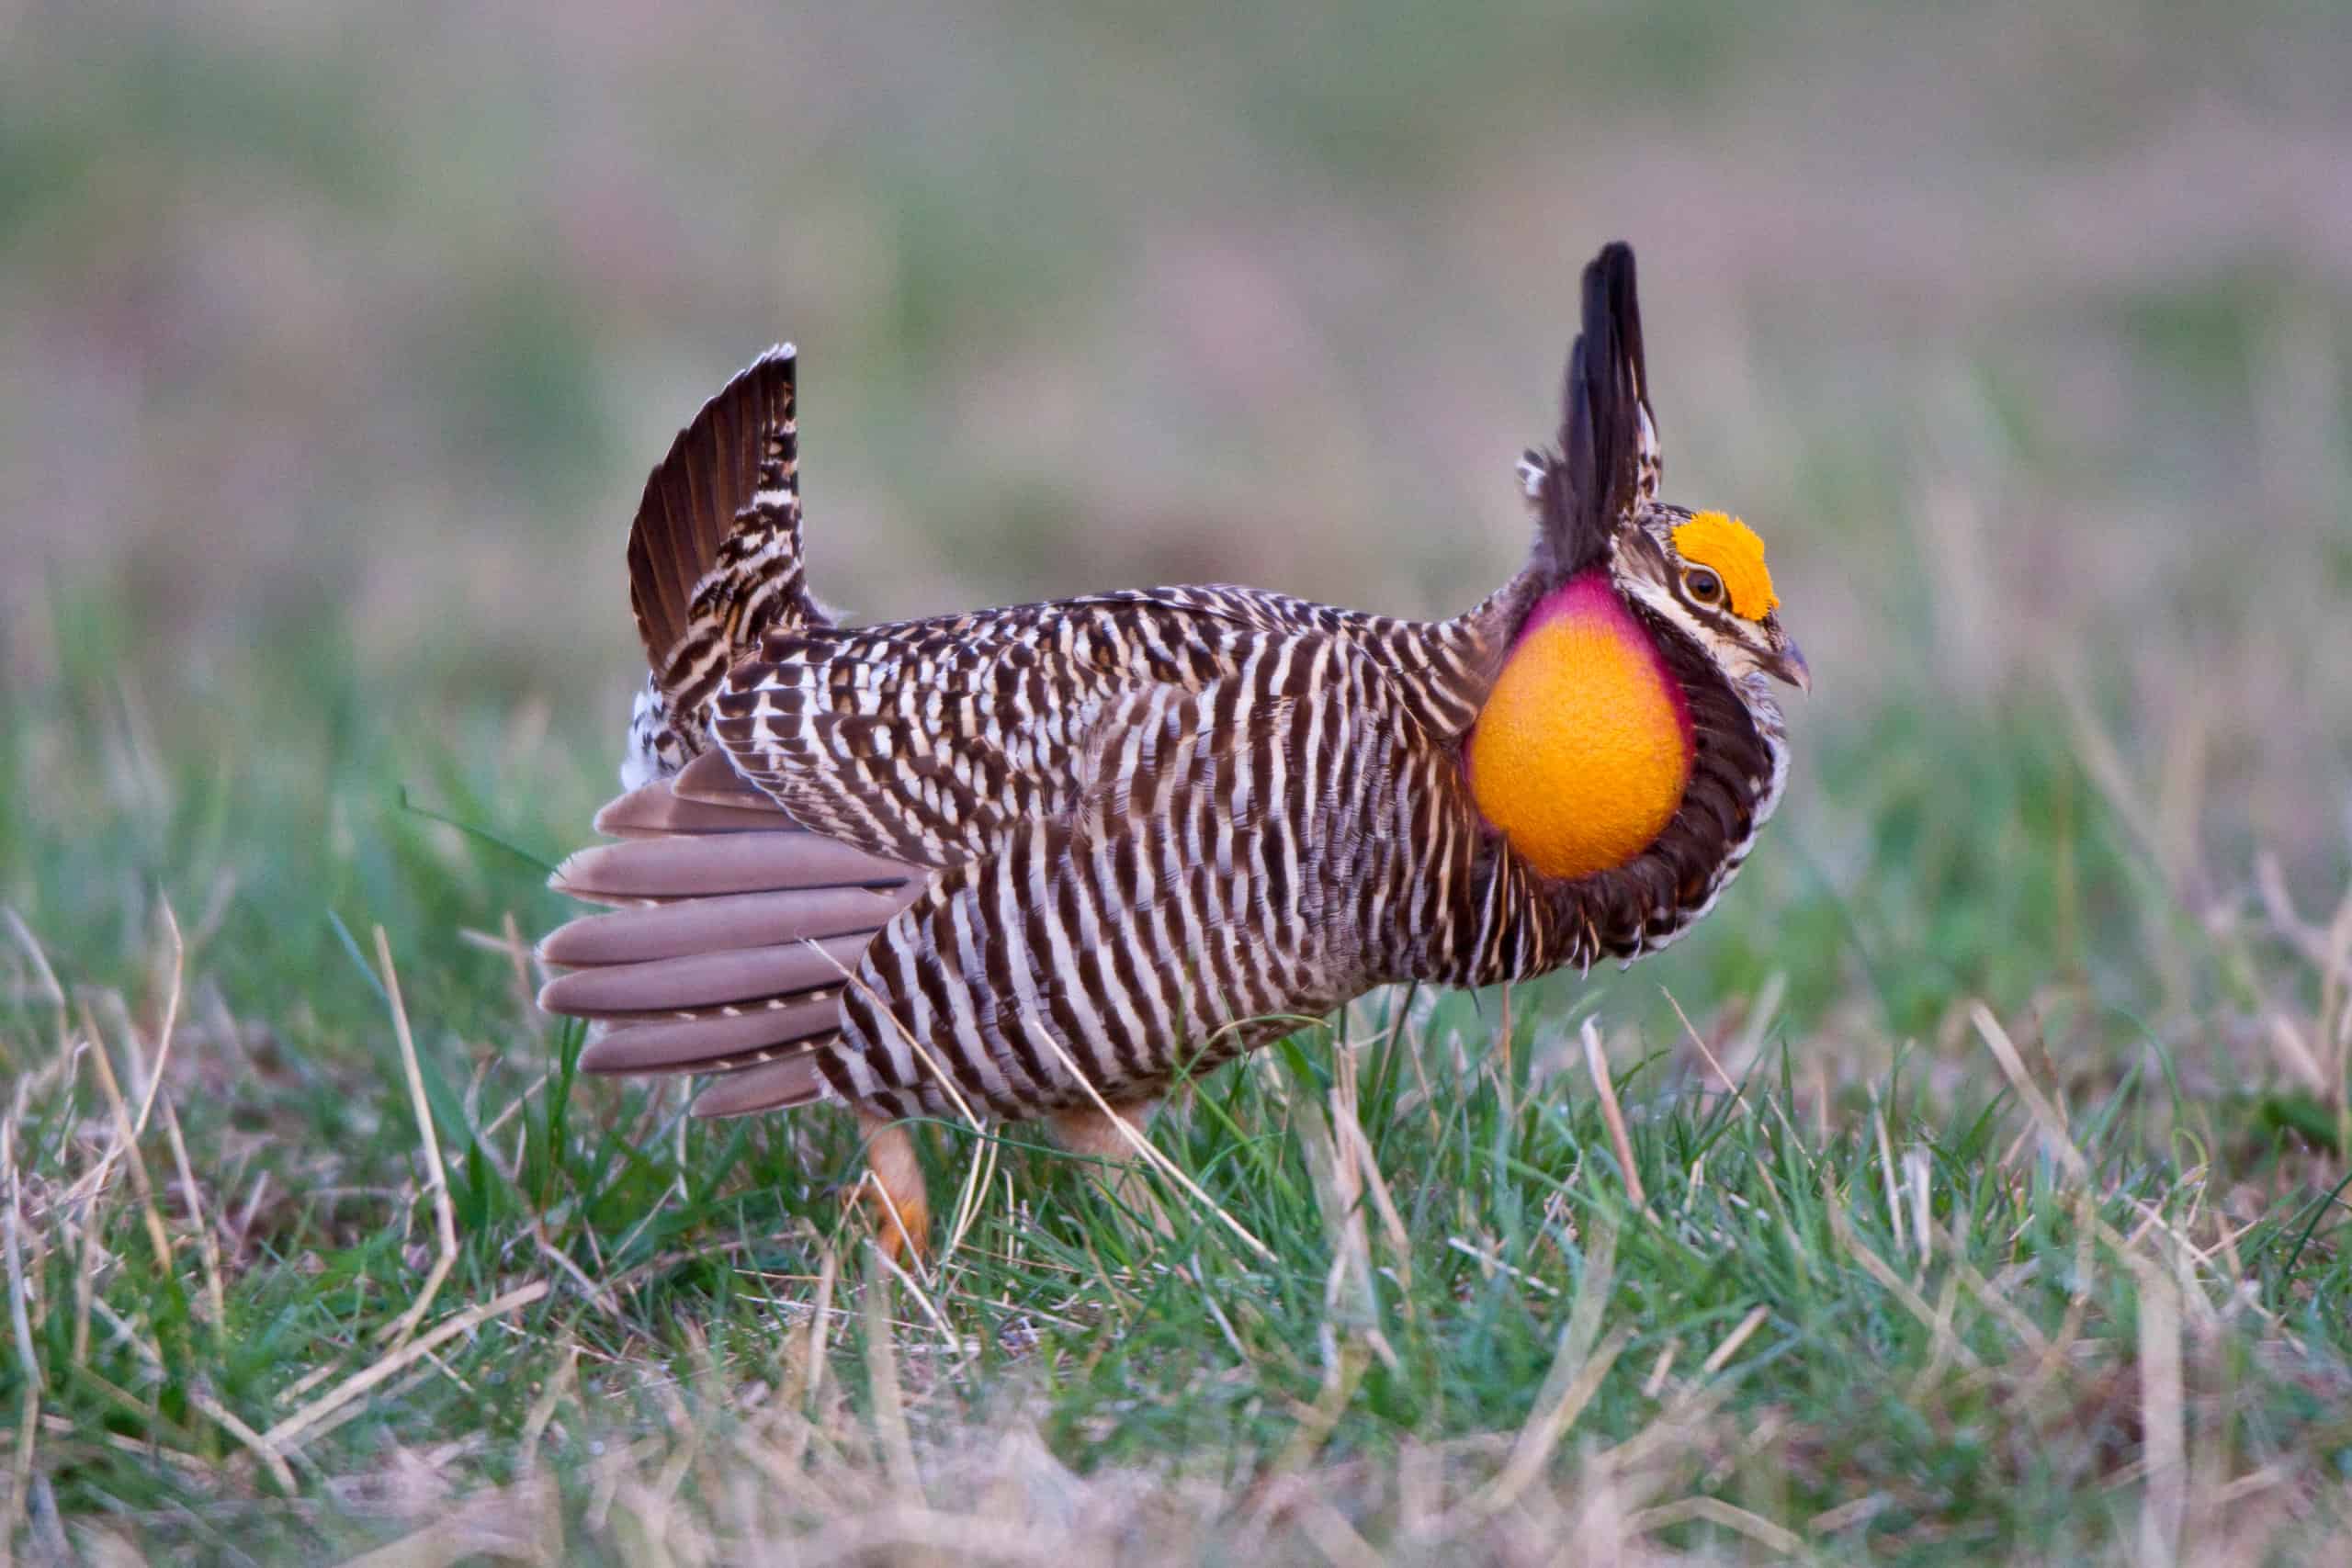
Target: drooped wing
1225	862
733	932
749	884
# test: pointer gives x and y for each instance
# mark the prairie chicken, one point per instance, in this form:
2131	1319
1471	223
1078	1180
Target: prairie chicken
1038	862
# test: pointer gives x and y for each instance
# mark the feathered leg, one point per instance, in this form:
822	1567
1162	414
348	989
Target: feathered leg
894	1187
1095	1135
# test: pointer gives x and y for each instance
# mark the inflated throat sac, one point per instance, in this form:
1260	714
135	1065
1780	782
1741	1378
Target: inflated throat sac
1583	749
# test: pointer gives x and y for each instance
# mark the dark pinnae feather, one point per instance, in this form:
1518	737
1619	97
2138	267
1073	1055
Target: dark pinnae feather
692	498
1591	490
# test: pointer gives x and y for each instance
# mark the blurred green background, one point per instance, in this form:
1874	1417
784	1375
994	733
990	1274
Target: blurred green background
337	340
335	344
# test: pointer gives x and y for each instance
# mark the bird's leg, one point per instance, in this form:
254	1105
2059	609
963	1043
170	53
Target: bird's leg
1088	1131
894	1187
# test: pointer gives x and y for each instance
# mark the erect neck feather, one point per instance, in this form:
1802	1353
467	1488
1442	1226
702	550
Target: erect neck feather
1582	751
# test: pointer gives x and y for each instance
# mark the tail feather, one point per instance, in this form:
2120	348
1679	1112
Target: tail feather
712	482
713	558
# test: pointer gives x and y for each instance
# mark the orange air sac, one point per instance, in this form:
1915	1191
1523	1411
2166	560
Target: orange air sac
1581	754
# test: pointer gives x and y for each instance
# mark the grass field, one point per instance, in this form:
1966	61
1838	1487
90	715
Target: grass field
1969	1189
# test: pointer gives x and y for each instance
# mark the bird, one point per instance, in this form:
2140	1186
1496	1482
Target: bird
1045	861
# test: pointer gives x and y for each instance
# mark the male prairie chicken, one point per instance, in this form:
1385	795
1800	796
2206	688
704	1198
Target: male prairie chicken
1036	862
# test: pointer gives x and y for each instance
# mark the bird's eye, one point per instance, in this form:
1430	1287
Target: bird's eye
1703	586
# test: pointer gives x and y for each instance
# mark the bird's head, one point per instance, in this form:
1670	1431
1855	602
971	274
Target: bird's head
1642	626
1703	572
1597	506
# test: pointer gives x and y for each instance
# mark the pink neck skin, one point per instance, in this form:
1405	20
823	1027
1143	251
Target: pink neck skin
1588	597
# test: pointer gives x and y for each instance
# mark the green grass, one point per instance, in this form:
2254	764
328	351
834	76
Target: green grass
1490	1344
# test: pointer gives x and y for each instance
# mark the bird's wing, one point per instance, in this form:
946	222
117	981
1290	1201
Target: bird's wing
930	741
1115	824
1235	861
733	932
856	765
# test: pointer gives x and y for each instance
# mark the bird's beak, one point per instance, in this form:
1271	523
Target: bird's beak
1787	664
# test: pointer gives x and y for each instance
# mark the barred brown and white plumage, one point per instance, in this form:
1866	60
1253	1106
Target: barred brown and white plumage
1035	861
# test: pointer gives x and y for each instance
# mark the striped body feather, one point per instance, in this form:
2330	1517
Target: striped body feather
1008	861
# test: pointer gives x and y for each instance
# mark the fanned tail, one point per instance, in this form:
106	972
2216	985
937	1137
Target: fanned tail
713	558
727	951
